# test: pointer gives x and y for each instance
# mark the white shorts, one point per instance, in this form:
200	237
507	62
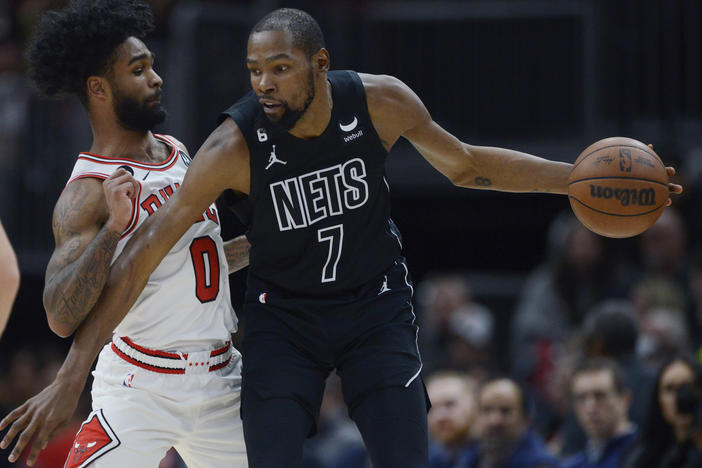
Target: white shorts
138	415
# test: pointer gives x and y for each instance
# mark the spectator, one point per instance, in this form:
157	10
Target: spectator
601	400
671	437
453	412
611	330
456	332
504	438
558	293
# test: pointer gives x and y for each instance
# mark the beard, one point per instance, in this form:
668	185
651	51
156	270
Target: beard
138	115
291	116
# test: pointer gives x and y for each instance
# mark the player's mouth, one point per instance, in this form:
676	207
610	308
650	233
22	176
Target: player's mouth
269	106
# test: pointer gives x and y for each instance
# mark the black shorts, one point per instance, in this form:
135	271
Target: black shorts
291	344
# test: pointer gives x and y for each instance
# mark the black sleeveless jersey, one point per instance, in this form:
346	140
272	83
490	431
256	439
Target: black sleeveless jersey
319	220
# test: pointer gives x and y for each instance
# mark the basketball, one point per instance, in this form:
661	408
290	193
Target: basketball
618	187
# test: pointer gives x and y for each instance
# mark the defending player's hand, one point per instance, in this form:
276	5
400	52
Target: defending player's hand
38	419
120	189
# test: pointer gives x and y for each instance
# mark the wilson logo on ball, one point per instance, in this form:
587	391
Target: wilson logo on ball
640	197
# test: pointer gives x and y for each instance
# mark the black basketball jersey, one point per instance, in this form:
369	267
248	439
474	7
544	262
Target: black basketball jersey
319	220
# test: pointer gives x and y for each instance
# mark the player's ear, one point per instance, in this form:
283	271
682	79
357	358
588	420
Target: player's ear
97	87
321	60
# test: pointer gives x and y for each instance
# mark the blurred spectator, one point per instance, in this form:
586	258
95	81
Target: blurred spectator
504	438
9	278
672	435
456	331
555	298
663	245
453	412
338	443
611	330
601	400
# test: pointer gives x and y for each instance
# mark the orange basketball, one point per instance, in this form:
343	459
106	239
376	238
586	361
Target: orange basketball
618	187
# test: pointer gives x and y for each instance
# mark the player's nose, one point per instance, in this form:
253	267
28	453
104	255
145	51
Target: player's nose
266	84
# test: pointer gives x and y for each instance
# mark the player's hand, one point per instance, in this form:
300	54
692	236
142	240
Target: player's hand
38	419
120	189
672	188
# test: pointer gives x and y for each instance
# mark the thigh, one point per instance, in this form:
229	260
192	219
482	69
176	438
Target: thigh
217	440
275	430
119	435
393	424
383	351
282	358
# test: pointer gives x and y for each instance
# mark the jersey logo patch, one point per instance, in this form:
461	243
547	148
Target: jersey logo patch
272	159
94	439
350	126
262	298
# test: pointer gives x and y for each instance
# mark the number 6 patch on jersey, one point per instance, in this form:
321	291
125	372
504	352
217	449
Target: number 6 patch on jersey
94	439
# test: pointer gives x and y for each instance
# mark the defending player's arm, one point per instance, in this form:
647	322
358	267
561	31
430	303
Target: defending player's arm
221	163
88	221
237	253
9	278
397	111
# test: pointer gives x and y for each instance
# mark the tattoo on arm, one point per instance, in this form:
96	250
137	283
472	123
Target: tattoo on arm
237	253
483	182
74	289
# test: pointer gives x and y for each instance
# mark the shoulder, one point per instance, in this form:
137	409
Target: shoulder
385	89
82	202
177	143
243	112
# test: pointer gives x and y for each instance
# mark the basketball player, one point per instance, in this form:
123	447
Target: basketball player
328	288
170	376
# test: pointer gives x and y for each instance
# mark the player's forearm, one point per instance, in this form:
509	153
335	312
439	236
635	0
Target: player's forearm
237	253
514	171
72	292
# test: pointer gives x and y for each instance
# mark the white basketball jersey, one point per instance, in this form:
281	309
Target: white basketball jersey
185	305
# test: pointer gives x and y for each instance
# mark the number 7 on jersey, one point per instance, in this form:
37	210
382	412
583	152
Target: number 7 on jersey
334	235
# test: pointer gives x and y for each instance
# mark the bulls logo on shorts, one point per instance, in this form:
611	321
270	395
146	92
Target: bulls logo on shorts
94	439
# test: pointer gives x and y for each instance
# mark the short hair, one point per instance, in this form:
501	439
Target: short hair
80	40
612	325
598	364
305	31
526	404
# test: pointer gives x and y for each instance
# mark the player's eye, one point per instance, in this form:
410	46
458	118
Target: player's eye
138	71
255	71
282	68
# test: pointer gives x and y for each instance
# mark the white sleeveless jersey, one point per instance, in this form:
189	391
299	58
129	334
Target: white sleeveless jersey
185	306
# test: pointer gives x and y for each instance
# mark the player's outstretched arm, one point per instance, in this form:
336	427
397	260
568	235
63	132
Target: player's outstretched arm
237	252
397	111
89	218
9	278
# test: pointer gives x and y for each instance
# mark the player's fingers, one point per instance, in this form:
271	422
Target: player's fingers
670	170
668	202
23	440
650	145
14	414
20	423
38	445
675	188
